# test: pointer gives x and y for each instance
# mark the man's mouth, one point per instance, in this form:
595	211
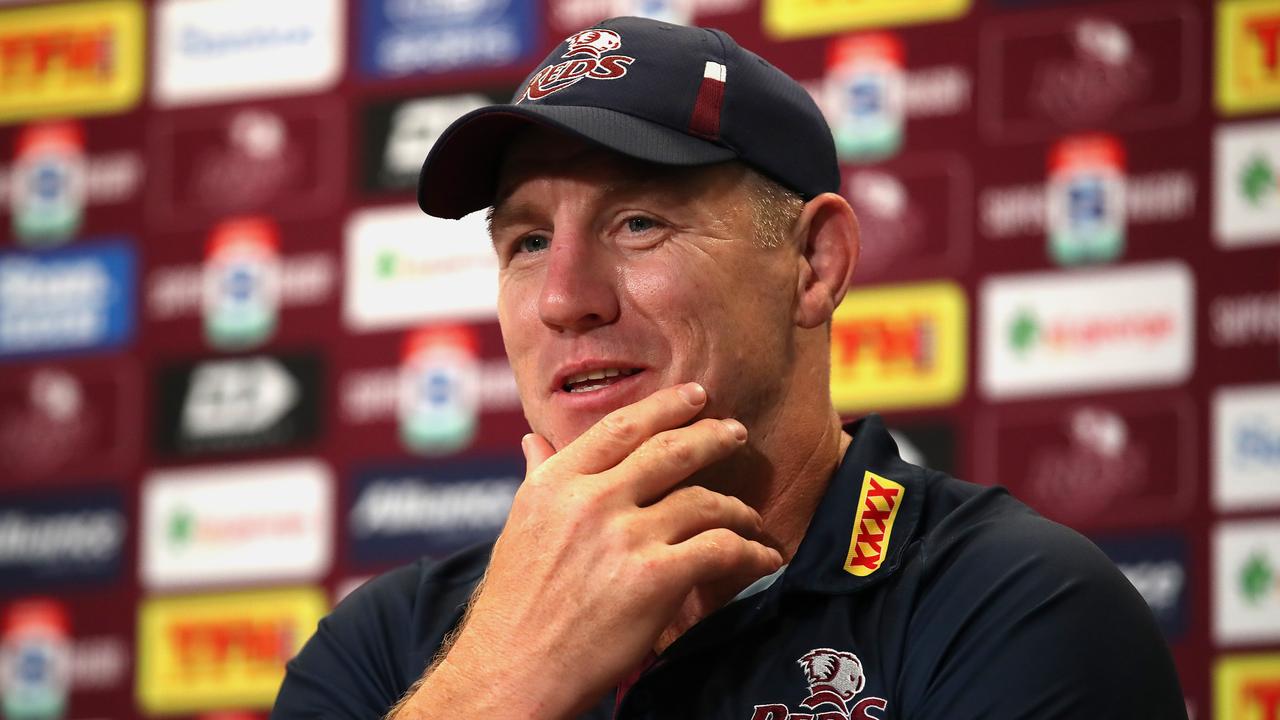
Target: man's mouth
592	380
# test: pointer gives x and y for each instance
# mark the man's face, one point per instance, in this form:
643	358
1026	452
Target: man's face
647	275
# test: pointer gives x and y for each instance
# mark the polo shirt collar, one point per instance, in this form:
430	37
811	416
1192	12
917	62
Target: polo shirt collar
865	520
871	476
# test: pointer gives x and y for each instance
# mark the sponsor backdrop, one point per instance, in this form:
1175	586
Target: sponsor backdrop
240	373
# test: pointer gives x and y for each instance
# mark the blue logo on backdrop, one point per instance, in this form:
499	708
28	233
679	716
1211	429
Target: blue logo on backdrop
198	42
1255	444
403	37
68	299
60	540
437	509
1157	567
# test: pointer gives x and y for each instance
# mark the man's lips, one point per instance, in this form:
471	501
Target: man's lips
592	375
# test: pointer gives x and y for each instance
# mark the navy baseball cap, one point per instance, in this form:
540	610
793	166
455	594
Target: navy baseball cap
651	90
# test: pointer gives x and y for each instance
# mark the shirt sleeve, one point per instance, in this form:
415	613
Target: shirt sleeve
1023	618
371	648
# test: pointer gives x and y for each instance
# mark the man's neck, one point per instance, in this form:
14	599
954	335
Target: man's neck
784	478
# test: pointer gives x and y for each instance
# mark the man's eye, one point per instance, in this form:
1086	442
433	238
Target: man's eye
533	243
639	224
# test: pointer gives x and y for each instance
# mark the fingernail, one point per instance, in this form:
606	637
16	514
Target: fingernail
524	443
693	393
738	429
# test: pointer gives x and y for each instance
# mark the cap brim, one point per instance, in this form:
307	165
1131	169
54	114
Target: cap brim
460	173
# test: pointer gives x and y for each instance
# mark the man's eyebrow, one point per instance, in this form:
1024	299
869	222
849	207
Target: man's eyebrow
505	213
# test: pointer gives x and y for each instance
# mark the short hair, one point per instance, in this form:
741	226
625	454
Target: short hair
774	208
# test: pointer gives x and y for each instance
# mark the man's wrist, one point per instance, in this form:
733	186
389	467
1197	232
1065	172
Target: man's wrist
484	683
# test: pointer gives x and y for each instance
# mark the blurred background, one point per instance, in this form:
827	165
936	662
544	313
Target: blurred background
241	373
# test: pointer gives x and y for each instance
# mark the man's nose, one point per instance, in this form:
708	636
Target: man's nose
578	290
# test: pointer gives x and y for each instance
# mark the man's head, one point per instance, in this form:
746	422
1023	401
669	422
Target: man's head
650	90
720	262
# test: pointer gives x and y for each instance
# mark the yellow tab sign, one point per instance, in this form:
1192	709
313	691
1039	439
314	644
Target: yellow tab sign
872	524
70	59
1247	687
803	18
1248	57
899	346
209	652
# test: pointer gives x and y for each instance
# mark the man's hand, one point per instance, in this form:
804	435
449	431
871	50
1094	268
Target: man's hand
596	557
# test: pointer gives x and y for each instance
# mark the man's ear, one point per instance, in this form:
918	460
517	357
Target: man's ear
828	239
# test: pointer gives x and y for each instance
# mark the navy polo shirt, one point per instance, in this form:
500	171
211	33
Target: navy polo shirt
913	595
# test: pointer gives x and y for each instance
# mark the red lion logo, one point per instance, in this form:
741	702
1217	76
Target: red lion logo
594	42
834	677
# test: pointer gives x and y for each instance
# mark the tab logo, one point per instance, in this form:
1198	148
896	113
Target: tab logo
71	59
872	523
216	651
1248	56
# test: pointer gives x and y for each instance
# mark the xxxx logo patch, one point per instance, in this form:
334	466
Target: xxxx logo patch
872	523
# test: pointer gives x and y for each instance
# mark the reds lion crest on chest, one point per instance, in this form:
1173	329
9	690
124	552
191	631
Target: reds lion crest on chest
835	679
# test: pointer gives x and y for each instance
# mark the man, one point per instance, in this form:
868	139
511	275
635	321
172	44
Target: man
696	535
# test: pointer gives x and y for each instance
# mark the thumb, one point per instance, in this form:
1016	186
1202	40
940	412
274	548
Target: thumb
536	451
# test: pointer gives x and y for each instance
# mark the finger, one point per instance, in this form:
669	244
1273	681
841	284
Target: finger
690	511
668	458
619	433
720	553
536	451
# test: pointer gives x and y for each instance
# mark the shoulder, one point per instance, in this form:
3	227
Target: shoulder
984	527
982	542
1015	612
378	640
